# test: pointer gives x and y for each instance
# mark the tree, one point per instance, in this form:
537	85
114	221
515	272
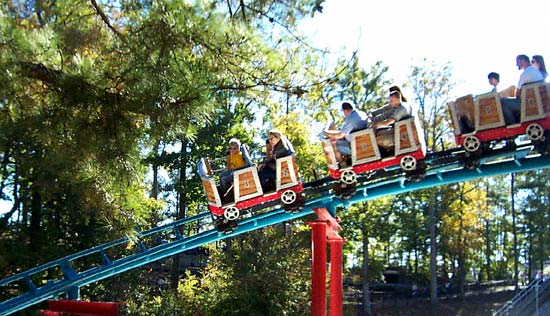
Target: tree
431	85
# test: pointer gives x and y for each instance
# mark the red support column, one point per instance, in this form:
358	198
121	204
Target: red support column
336	267
83	307
318	268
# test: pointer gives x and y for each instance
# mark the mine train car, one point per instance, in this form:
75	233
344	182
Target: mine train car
247	193
366	157
479	122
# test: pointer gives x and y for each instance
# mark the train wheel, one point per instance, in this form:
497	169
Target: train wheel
297	205
348	177
408	163
288	197
535	132
231	213
225	226
471	164
471	144
218	223
416	176
343	190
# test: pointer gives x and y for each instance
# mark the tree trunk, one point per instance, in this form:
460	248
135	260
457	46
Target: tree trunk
433	258
488	250
514	232
461	270
530	260
181	208
487	237
36	218
155	184
367	309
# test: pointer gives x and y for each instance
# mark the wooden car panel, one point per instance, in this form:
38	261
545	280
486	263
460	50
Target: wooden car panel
465	107
364	147
407	137
287	172
544	91
488	111
531	102
328	149
211	191
246	184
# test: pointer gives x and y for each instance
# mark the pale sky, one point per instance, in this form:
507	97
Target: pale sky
477	37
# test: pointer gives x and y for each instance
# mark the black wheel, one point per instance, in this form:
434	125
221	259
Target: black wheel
471	164
297	205
415	176
344	191
225	226
218	223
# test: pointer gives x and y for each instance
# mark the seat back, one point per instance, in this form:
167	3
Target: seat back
330	155
208	182
453	114
204	168
246	184
287	172
465	111
488	111
364	147
246	155
534	99
409	136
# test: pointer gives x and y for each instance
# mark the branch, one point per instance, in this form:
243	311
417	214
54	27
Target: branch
40	72
6	217
104	17
242	8
286	27
230	10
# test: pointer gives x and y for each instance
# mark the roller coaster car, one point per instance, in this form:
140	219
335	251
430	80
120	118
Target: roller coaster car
366	157
479	120
247	193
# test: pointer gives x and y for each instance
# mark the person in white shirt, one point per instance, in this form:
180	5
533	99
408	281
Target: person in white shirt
511	107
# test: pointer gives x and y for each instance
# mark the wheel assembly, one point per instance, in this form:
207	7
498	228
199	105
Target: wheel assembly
534	131
231	213
408	163
471	143
471	164
225	226
288	197
348	177
295	206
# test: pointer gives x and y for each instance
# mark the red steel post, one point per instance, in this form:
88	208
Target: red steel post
318	268
336	287
84	307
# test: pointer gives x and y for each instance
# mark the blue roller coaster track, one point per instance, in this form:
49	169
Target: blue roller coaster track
67	275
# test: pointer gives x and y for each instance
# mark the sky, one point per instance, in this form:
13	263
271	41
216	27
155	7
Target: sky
476	37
